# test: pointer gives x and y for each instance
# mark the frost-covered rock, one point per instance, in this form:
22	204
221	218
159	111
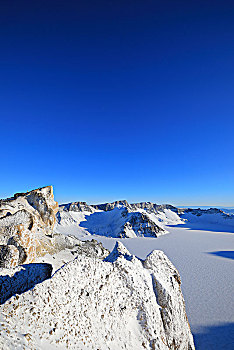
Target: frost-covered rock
100	302
26	222
77	207
9	256
166	281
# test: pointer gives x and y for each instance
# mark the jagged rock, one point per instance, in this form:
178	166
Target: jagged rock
152	207
9	256
199	212
166	281
121	302
24	221
140	224
110	206
119	250
77	206
148	206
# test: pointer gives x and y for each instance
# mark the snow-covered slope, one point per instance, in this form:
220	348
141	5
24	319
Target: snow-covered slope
90	303
117	219
70	294
123	220
208	219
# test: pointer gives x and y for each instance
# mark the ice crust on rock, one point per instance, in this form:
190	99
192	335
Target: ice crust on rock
98	302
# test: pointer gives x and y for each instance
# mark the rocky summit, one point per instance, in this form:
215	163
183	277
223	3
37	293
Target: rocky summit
58	292
26	223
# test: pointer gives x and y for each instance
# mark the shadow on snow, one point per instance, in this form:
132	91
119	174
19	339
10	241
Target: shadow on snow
23	280
216	337
229	254
103	223
201	226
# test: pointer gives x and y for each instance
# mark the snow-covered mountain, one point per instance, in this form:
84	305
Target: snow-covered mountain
121	219
60	292
57	291
207	218
117	219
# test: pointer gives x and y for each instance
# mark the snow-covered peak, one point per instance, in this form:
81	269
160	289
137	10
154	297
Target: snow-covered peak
119	251
118	219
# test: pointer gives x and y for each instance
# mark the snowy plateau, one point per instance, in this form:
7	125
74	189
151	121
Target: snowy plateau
102	276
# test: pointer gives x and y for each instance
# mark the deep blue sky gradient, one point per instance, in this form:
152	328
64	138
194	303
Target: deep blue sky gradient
110	100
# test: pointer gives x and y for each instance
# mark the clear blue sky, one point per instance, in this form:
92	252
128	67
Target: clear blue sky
110	100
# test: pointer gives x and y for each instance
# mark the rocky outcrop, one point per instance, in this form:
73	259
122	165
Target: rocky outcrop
166	281
90	303
210	211
140	224
152	207
148	206
111	206
77	207
26	226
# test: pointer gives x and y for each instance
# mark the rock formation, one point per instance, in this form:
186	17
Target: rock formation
140	224
118	302
148	206
26	225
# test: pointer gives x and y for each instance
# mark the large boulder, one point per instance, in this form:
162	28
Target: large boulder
26	222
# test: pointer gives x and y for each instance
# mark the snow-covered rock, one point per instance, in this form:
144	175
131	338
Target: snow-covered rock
208	216
118	219
121	219
71	294
98	302
26	222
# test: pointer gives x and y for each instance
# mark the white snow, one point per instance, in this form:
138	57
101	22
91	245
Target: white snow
201	248
215	221
117	303
206	274
165	217
109	223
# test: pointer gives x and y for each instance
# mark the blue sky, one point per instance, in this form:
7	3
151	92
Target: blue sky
116	100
